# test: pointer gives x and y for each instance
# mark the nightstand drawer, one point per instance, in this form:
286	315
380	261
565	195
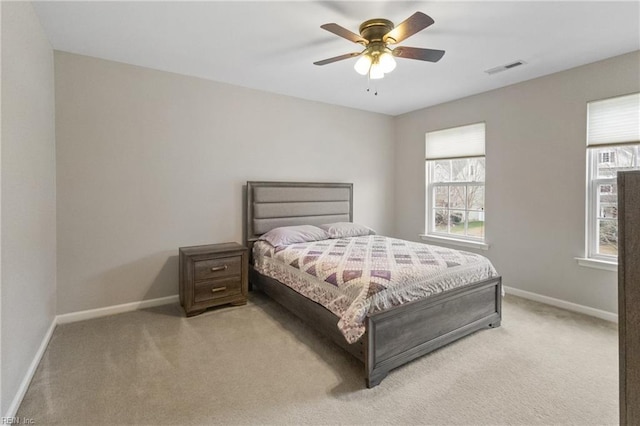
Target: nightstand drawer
218	289
217	268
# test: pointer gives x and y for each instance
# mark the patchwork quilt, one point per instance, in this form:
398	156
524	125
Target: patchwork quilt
353	277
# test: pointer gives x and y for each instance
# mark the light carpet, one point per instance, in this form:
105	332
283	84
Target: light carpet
258	364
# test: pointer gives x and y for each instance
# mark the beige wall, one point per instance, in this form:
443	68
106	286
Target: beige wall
149	161
535	196
28	194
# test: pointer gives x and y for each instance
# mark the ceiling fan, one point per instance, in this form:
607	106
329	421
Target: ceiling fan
376	35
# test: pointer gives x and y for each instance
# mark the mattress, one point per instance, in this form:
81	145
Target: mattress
353	277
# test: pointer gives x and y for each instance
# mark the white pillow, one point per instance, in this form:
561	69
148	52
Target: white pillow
287	235
346	229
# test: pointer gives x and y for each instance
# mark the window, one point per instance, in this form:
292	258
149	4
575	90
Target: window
613	145
455	171
607	157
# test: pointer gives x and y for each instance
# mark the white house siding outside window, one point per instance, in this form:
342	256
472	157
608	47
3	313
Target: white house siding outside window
455	173
613	145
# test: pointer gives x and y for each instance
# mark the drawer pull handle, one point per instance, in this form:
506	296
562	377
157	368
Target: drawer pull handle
215	290
219	268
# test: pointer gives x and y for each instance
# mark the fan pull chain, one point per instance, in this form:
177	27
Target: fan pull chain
369	83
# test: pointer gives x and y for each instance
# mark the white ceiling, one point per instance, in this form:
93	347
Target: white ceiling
271	46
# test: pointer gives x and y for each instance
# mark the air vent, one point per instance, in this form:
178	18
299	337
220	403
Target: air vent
505	67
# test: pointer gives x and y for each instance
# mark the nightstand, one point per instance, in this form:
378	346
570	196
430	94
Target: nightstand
213	275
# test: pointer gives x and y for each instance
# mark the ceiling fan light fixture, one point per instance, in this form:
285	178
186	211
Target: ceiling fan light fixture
386	62
376	73
363	64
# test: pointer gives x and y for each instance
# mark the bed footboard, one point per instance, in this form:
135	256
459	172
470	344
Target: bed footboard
402	334
399	335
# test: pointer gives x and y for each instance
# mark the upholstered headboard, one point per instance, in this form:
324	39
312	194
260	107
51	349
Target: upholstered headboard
274	204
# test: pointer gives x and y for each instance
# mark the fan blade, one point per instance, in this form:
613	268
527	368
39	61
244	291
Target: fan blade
337	58
344	33
431	55
413	24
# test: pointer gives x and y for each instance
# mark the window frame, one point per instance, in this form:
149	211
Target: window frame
431	208
593	204
593	197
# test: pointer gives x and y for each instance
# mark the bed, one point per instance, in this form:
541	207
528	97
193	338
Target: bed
391	336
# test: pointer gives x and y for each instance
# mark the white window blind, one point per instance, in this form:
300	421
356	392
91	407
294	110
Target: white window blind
458	142
614	121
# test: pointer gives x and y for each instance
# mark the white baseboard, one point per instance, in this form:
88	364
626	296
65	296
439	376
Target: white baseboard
116	309
608	316
26	381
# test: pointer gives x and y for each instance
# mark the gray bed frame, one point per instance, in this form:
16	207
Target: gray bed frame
393	337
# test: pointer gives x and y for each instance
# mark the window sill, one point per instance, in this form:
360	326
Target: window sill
597	264
455	242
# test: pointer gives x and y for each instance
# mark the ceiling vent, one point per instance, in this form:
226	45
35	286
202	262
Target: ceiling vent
505	67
